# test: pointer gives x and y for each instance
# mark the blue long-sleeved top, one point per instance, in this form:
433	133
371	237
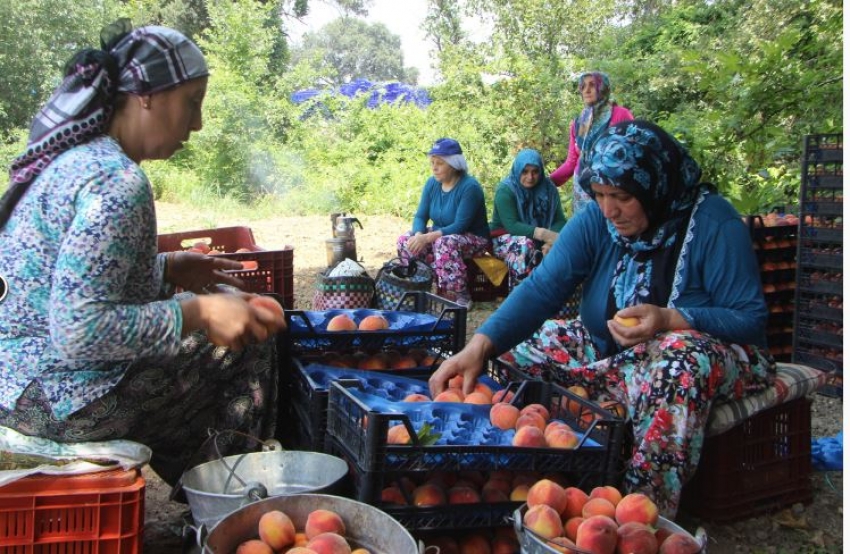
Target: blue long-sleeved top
717	286
461	210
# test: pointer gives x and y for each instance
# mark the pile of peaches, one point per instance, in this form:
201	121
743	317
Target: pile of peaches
344	322
323	533
602	522
499	540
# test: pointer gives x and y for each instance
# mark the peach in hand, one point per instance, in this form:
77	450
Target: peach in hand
626	321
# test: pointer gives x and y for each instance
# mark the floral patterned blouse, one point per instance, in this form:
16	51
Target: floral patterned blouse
86	295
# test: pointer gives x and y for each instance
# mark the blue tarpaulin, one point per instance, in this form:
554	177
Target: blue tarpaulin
827	453
379	93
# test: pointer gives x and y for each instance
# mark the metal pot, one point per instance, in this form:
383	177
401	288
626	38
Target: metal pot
366	527
534	544
216	488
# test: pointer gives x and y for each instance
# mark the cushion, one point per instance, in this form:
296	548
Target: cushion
792	381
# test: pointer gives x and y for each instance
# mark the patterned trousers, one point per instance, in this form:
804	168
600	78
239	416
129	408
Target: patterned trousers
446	256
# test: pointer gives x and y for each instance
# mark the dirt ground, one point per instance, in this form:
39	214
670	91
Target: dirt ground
812	528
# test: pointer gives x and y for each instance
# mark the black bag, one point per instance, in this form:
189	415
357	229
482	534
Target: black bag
396	278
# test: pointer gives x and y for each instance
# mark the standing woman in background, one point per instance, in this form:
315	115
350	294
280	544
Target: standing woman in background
599	113
453	201
94	343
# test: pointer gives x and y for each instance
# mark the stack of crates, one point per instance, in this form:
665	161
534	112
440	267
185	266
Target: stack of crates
386	474
266	271
306	342
819	322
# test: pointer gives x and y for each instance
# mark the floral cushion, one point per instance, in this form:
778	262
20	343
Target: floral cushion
792	381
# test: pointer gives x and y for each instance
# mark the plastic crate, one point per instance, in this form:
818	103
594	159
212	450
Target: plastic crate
94	513
480	287
760	465
309	400
274	268
361	431
445	336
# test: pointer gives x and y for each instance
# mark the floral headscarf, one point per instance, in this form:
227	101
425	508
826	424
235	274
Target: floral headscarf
141	61
645	161
538	204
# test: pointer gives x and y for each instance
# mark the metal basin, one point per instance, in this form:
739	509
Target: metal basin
366	527
216	488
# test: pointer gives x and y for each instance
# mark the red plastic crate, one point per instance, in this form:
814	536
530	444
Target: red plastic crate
274	268
94	513
760	465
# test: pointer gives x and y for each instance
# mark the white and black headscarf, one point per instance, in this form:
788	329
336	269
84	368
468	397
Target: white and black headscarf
133	61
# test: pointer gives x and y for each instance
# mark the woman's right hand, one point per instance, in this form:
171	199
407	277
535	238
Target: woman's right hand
469	363
229	319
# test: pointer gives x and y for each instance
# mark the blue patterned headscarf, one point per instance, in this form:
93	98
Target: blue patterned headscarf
595	118
134	61
538	204
645	161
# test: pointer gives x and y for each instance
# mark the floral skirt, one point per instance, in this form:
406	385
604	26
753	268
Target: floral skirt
446	256
667	384
171	405
520	255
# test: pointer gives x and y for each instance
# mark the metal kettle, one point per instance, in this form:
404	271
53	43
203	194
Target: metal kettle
344	226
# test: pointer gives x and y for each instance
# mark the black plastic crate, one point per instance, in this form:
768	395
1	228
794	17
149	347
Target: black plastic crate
760	465
361	432
445	336
310	400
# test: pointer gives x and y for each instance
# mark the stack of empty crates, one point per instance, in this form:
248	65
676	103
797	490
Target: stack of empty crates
818	317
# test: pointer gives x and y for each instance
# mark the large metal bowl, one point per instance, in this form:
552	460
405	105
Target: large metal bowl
217	488
534	544
366	526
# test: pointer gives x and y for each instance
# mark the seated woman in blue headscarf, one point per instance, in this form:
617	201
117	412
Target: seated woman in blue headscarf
673	317
527	215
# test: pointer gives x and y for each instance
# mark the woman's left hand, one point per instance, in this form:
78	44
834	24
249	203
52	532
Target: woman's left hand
636	324
200	273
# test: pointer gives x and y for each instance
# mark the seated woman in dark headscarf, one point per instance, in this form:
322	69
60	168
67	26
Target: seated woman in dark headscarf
673	317
94	344
527	215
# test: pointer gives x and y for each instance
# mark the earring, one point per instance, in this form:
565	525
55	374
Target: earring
146	104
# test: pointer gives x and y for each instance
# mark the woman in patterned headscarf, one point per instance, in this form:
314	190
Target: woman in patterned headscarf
599	113
527	215
94	344
672	312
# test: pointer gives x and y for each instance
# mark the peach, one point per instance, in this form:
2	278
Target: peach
485	390
661	534
398	434
456	382
561	544
531	418
598	507
537	408
405	362
416	397
474	476
341	322
543	520
614	407
431	360
477	398
276	529
637	507
573	406
493	495
520	493
497	483
463	495
448	395
301	539
329	543
554	425
374	362
202	247
636	538
549	493
358	551
393	495
612	494
562	438
626	321
679	543
443	543
474	543
321	521
503	395
254	546
301	550
267	303
429	494
576	499
571	527
529	436
504	545
373	323
597	534
504	415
